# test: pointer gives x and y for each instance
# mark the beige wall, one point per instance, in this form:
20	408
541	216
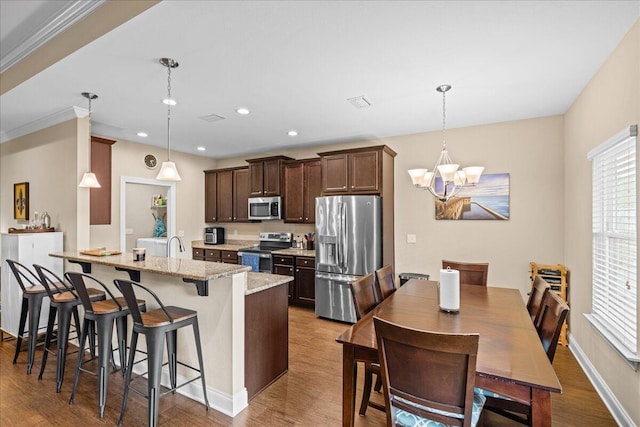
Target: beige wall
608	104
128	160
49	161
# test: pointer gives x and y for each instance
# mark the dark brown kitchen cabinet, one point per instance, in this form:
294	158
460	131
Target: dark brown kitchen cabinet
305	278
355	171
210	196
303	183
215	255
226	193
197	254
229	257
241	195
283	265
266	176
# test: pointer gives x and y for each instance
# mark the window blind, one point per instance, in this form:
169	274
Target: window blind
614	238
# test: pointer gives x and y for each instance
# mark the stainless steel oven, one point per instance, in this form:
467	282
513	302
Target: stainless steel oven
260	257
213	235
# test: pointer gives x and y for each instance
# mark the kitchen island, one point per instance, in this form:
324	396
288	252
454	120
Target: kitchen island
222	299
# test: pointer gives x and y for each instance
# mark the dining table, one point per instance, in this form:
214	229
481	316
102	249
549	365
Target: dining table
511	360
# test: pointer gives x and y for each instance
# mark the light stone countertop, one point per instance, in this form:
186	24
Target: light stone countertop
178	267
232	246
296	252
257	282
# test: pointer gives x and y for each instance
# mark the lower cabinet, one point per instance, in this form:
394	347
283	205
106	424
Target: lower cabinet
302	289
215	255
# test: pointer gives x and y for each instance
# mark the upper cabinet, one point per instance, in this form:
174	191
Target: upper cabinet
266	176
303	183
356	171
226	193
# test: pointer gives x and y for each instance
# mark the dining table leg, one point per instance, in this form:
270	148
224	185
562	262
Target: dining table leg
349	373
541	408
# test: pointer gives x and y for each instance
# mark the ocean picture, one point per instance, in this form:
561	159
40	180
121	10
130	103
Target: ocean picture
487	200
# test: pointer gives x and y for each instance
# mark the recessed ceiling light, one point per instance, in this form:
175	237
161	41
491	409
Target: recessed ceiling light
143	134
202	149
169	101
360	102
243	111
292	133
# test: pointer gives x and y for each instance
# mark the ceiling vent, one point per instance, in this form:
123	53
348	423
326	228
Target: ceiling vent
211	118
360	102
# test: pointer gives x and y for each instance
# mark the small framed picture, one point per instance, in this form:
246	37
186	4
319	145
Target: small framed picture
21	201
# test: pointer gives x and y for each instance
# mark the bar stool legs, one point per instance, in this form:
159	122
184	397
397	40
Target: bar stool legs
32	304
64	312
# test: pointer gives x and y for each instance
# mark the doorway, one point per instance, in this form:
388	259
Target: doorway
139	213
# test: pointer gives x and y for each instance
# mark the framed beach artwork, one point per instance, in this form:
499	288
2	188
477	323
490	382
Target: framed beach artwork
487	200
21	201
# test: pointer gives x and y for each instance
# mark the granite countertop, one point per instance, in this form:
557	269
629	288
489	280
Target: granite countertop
296	252
179	267
231	246
257	282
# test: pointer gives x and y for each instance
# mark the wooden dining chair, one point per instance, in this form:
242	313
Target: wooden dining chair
385	284
552	315
470	273
365	299
536	296
428	377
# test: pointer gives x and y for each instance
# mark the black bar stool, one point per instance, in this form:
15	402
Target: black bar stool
32	295
64	302
155	325
103	313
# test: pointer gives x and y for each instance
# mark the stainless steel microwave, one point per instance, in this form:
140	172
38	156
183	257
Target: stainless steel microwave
264	208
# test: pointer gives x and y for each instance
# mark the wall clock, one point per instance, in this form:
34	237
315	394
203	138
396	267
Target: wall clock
150	161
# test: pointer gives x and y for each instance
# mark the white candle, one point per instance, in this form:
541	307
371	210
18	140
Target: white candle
449	294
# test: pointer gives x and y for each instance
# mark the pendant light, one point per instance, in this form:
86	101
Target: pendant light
452	179
168	171
89	179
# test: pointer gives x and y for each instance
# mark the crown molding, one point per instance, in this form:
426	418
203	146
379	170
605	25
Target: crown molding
44	122
59	23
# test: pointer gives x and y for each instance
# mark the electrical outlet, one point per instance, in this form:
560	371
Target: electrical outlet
411	238
180	233
128	231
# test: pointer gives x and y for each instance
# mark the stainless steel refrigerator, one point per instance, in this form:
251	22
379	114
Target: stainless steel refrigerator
348	246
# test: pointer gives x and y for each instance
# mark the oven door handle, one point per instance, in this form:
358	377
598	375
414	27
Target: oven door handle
253	253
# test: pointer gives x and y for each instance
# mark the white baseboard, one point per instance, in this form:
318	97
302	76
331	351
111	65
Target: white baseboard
230	405
611	402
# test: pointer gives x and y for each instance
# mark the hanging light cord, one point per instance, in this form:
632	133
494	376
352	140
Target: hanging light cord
169	113
444	116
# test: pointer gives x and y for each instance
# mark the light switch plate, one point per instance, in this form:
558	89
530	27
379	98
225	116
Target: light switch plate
128	231
180	233
411	238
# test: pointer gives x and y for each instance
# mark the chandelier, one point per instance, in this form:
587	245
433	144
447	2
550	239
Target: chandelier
89	179
452	180
168	170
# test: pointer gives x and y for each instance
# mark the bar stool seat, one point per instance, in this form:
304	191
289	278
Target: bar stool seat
156	325
103	313
64	304
32	295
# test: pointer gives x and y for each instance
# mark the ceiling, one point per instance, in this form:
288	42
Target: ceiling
295	65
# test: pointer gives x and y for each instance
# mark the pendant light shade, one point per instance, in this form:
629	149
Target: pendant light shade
168	170
89	179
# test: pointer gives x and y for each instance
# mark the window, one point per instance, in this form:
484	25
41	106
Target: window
614	243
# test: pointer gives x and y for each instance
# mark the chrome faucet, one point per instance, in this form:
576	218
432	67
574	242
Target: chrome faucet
181	246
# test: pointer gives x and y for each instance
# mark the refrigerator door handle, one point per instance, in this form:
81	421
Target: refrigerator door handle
343	232
339	248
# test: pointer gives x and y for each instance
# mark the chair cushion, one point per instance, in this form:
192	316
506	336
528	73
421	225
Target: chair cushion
408	419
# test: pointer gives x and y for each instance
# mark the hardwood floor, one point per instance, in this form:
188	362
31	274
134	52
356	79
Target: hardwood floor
309	394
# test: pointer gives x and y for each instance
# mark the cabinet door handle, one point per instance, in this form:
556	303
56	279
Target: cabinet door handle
306	219
229	217
291	269
297	270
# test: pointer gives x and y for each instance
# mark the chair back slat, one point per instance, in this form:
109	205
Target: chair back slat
24	276
364	294
78	282
553	313
430	369
126	287
386	285
470	273
538	292
52	282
